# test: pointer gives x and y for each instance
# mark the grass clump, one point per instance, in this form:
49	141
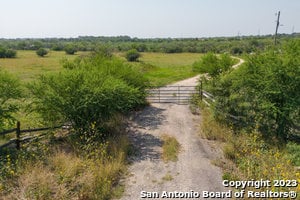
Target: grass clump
167	177
171	148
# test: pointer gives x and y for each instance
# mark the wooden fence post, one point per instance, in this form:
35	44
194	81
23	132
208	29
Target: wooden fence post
18	133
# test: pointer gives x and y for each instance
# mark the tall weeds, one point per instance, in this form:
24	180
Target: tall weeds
252	156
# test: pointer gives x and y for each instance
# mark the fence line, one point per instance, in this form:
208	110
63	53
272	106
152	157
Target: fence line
18	132
8	131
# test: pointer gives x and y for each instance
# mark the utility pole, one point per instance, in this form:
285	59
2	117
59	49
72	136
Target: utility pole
277	25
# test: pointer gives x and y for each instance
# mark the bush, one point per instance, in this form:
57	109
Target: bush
41	52
10	53
9	91
57	47
263	93
213	65
70	49
88	94
7	53
132	55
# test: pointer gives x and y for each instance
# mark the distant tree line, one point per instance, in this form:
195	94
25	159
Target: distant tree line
232	45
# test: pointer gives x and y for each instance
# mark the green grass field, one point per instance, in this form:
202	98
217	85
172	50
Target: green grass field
162	68
169	67
159	68
28	65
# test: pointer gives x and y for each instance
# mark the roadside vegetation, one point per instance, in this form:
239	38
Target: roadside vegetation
255	115
249	156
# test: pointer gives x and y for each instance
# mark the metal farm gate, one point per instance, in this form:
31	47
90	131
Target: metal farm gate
173	94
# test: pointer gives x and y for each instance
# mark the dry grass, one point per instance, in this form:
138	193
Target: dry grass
66	175
171	148
212	130
248	155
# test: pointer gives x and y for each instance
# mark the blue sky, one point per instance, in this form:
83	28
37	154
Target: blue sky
145	18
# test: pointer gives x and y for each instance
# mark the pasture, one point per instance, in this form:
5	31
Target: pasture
159	68
27	65
162	68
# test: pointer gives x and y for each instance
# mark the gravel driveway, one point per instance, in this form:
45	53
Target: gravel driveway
149	176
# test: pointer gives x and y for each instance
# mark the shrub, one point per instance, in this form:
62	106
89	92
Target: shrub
9	91
132	55
7	53
10	53
264	92
41	52
57	47
89	94
70	49
213	65
2	52
253	158
236	50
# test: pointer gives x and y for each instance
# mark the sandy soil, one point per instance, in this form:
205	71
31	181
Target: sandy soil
193	171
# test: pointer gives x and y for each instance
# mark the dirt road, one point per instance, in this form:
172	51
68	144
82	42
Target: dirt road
149	176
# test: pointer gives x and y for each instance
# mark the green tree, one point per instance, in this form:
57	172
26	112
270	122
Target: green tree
10	90
41	52
132	55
